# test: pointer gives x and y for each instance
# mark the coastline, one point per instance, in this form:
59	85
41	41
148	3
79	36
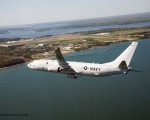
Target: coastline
76	42
17	65
12	66
66	52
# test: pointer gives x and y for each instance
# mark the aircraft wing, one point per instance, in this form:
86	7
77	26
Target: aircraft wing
61	61
64	66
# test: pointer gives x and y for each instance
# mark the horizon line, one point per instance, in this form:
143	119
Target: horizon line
24	24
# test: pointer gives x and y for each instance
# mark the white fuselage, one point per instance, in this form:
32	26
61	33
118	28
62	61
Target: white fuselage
80	68
75	69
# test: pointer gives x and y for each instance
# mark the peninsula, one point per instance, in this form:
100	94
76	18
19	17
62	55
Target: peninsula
24	50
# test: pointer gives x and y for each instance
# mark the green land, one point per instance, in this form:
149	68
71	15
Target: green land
24	50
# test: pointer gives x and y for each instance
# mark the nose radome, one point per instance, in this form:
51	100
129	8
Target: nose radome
29	65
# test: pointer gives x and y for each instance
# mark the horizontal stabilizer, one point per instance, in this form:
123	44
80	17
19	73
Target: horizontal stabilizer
123	65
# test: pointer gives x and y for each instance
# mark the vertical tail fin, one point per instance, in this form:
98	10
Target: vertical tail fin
126	55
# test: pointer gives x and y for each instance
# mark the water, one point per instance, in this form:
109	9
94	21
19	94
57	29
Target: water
34	31
52	96
45	29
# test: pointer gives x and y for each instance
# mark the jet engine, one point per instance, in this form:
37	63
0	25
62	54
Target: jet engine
53	68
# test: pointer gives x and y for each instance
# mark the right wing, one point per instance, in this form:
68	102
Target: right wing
64	66
61	61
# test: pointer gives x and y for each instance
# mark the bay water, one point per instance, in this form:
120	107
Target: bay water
33	95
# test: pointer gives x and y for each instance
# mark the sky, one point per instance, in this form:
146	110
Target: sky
16	12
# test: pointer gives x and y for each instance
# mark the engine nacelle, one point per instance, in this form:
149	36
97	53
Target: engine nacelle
53	68
59	69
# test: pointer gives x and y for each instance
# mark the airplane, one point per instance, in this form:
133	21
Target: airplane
76	69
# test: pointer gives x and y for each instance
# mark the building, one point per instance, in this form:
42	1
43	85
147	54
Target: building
42	45
11	42
102	34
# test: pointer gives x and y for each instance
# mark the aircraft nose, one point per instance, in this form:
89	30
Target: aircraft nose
32	65
29	65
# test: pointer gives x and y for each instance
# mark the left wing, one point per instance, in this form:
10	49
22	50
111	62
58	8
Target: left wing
64	66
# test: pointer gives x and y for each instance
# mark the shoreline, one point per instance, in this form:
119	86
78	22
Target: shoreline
12	66
17	65
29	50
66	52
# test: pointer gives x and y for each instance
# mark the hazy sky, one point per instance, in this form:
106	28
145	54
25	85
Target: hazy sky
13	12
